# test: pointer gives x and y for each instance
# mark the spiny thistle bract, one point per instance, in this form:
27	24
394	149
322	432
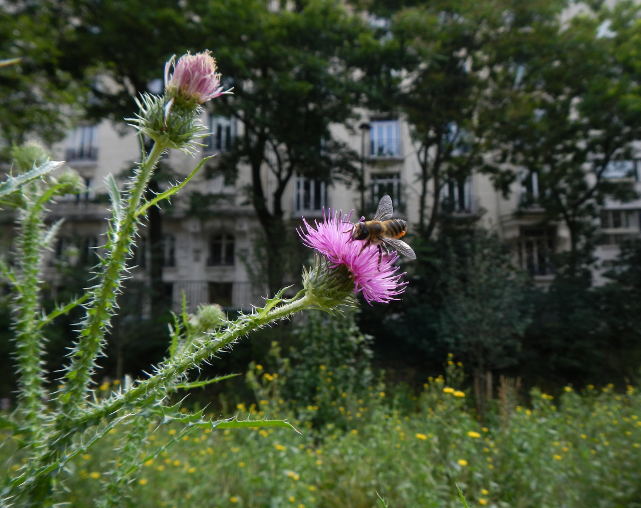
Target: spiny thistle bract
55	426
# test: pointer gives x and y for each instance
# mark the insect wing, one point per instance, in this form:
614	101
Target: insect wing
385	209
401	247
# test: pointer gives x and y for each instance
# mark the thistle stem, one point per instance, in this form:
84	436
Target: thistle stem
201	350
103	296
29	341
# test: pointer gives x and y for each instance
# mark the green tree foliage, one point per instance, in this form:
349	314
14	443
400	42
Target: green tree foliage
440	49
330	343
485	310
437	57
585	334
292	79
37	96
95	50
566	105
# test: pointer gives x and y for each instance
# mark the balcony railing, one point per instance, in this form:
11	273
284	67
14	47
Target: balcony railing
83	153
233	294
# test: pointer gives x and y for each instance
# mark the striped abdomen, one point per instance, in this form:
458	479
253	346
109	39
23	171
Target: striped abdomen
394	228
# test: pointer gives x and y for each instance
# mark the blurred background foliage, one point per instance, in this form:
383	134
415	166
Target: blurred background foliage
498	71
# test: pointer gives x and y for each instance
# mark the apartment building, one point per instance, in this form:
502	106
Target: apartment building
211	257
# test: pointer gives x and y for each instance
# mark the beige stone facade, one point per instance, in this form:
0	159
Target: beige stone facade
210	257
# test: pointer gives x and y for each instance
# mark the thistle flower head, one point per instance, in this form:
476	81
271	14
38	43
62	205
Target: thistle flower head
194	78
376	277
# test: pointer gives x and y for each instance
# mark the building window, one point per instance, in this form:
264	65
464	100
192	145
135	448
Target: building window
457	196
64	251
222	135
620	219
88	194
385	138
81	144
88	250
221	293
168	292
169	250
622	169
386	183
221	250
140	253
531	189
311	194
536	247
620	225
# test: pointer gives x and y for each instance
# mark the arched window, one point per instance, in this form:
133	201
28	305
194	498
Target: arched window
221	249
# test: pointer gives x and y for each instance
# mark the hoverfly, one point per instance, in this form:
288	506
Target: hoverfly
384	231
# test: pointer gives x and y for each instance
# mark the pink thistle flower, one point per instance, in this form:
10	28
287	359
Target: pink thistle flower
378	282
194	77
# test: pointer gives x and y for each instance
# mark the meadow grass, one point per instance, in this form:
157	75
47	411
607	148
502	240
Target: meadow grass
574	450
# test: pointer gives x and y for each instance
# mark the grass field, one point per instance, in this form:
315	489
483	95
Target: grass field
575	450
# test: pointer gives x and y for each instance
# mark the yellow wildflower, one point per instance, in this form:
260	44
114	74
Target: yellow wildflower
474	435
94	475
143	481
420	436
279	447
233	499
462	462
459	393
293	475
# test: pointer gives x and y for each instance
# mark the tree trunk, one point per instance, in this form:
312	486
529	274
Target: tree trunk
422	205
272	223
276	259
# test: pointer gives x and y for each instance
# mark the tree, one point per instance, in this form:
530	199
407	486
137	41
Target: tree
293	80
437	56
37	97
439	95
572	110
484	312
93	51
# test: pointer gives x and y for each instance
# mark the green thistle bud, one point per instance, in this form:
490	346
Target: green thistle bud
207	318
167	124
326	286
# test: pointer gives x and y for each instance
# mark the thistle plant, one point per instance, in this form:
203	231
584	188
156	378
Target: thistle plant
54	425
